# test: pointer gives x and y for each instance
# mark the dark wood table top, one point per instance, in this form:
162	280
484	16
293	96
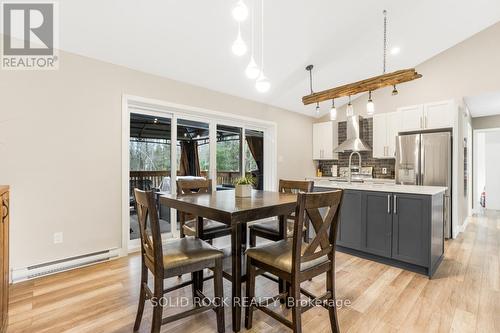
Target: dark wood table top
224	206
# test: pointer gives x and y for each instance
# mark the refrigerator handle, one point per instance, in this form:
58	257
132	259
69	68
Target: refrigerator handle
422	164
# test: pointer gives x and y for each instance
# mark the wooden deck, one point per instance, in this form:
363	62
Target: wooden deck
464	296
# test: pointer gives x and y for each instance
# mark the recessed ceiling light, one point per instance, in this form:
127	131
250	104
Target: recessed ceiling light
395	50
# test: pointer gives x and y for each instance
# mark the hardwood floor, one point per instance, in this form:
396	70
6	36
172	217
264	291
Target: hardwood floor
464	295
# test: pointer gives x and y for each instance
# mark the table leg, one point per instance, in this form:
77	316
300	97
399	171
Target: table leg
282	231
198	276
236	275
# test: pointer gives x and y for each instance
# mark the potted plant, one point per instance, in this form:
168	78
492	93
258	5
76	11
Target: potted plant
244	186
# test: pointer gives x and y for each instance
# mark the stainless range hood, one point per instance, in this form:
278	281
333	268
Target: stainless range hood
353	142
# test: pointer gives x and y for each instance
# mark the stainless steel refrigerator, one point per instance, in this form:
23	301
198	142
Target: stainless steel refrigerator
425	159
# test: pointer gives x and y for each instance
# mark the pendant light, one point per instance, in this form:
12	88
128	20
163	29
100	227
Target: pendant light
394	91
350	109
239	47
240	11
252	71
370	106
262	84
333	111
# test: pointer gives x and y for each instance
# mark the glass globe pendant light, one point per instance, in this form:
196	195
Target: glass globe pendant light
350	108
370	106
239	47
252	71
333	111
262	84
240	11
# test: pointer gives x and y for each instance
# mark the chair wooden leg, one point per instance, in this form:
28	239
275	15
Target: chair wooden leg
142	297
250	294
253	239
332	310
219	295
158	309
288	288
296	310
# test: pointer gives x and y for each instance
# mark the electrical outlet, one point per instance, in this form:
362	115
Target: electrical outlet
384	171
58	237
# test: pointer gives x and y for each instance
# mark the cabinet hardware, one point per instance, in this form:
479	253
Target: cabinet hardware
425	123
395	204
388	204
421	122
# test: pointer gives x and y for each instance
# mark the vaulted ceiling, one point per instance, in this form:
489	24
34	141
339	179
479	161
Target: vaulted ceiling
190	40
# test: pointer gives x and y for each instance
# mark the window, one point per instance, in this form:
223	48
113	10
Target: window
228	155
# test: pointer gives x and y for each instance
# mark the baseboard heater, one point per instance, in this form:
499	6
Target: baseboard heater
31	272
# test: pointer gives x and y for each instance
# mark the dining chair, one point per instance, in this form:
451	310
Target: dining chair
295	261
211	229
270	229
175	257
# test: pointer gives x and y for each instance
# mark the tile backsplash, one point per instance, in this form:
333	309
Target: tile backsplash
366	132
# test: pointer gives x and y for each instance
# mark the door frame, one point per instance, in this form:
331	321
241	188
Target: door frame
180	111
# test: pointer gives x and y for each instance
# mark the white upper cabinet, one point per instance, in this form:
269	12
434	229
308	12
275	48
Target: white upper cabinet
411	117
427	116
323	135
438	115
379	135
393	123
385	129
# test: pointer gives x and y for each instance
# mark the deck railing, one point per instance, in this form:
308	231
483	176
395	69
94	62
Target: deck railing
156	177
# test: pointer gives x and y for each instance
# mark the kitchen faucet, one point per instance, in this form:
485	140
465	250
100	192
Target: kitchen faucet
350	164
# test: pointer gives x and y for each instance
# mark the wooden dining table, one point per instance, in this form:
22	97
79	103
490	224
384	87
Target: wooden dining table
236	212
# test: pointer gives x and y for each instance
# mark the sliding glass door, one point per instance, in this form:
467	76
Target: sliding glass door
163	144
150	164
254	156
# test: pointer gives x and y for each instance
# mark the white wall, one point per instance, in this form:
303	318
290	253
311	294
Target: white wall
60	148
492	167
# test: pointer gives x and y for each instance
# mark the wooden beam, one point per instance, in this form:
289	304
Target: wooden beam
370	84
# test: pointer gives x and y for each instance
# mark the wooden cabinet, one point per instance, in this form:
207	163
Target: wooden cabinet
428	116
4	257
377	223
438	115
349	233
410	228
397	228
411	117
323	135
385	129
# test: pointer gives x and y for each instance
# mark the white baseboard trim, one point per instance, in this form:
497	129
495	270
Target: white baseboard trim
35	271
464	225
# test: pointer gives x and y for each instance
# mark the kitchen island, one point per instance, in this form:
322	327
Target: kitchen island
399	225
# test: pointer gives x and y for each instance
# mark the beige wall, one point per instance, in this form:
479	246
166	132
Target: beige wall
486	122
470	68
60	148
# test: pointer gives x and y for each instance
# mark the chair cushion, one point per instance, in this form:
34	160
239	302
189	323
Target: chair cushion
188	251
279	255
273	226
208	225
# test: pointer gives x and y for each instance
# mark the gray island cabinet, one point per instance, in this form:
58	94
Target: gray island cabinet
400	229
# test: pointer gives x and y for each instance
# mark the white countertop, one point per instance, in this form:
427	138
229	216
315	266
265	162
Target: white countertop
381	187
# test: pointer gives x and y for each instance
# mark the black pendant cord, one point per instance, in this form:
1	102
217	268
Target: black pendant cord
385	41
309	68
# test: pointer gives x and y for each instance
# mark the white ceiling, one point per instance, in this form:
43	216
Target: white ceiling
484	105
190	40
